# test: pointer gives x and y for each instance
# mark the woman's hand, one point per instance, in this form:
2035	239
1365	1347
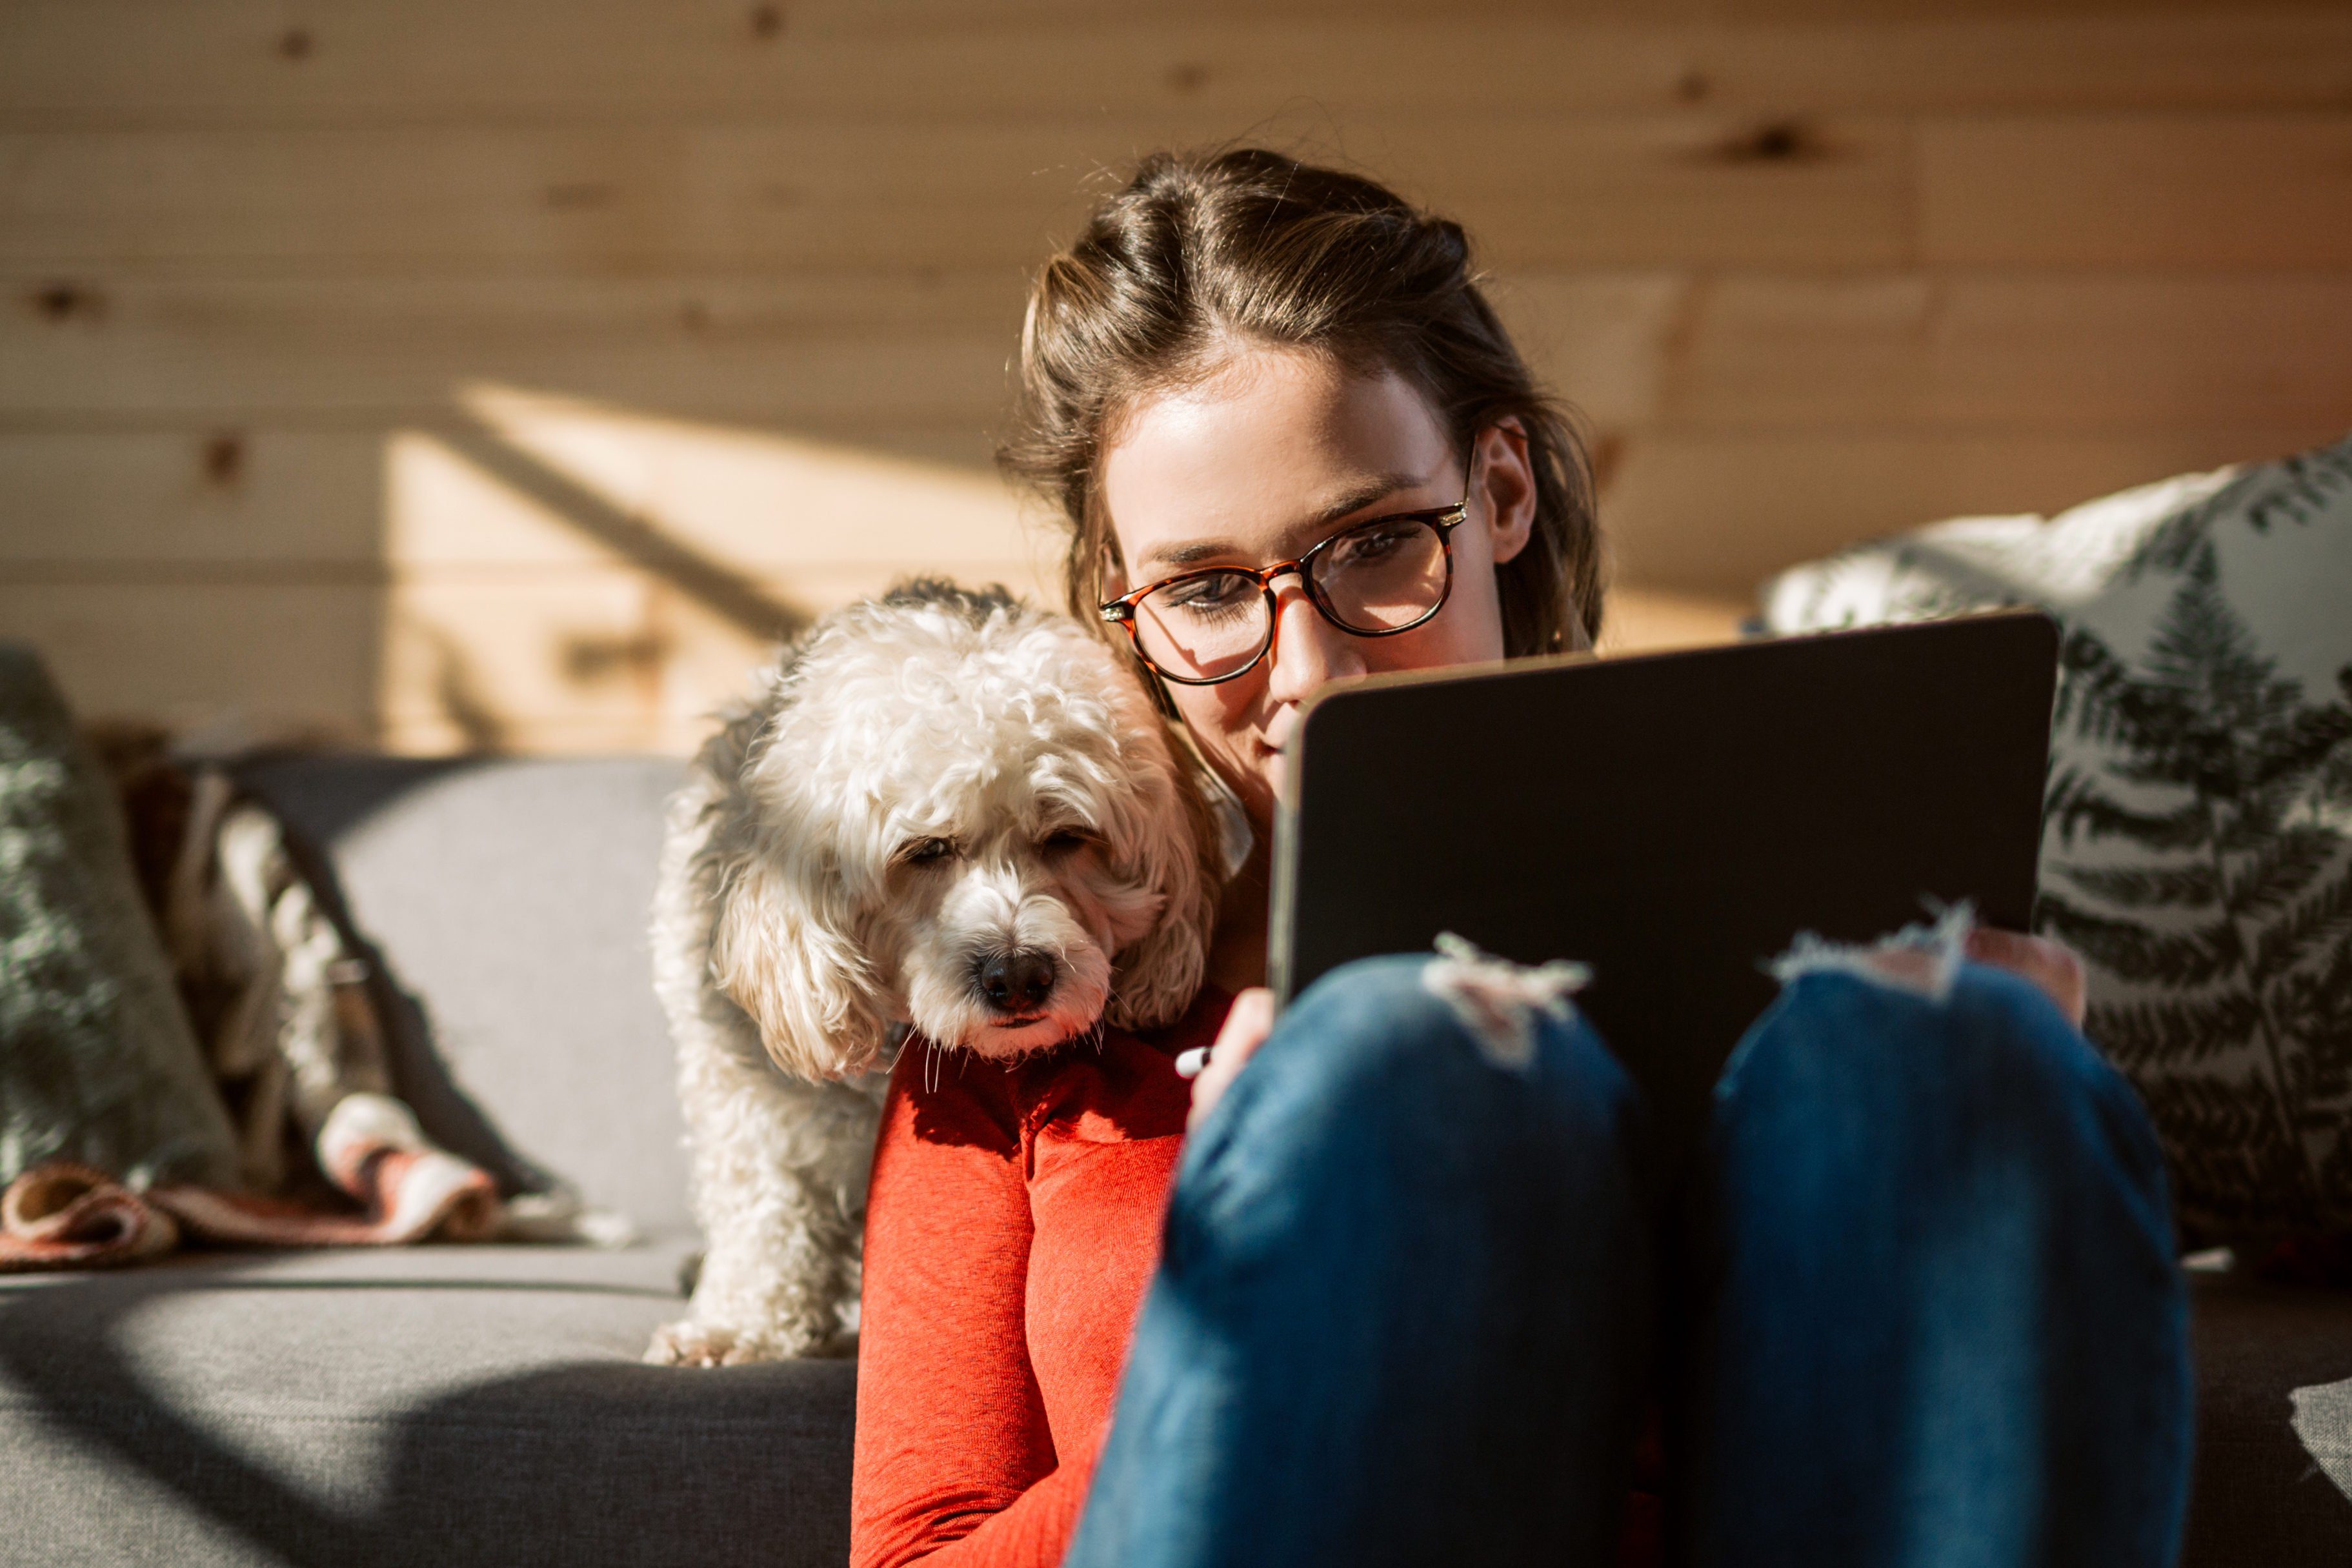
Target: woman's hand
1246	1026
2049	964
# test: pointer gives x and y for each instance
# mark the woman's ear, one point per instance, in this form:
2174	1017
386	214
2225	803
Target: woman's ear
791	962
1506	478
1155	977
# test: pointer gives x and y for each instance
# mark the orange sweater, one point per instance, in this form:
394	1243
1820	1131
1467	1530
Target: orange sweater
1013	1227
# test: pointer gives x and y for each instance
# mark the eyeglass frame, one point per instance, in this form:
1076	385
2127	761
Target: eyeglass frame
1444	519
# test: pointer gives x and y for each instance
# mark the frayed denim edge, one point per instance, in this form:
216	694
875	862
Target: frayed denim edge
1925	955
1499	1002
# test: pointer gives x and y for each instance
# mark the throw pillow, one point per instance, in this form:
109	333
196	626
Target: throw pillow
98	1062
2197	846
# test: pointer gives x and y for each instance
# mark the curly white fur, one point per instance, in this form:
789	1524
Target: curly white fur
929	787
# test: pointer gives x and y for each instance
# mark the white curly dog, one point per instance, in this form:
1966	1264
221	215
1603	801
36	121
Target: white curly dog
947	818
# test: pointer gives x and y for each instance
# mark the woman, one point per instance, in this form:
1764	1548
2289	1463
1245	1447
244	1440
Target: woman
1913	1303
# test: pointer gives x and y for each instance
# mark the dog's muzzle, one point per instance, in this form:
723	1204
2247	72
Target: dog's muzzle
1016	982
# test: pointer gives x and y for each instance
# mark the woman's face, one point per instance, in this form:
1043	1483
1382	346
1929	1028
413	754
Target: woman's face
1269	457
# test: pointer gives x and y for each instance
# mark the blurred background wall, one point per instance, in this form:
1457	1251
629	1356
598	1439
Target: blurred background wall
507	373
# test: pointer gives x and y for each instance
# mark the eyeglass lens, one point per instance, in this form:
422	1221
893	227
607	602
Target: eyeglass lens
1380	577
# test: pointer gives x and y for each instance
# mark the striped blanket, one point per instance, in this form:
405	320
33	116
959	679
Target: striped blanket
67	1215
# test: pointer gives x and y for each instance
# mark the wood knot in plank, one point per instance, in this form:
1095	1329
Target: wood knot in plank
588	658
1774	142
61	300
223	459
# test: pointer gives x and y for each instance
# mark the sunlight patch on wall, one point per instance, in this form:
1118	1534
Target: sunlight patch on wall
570	577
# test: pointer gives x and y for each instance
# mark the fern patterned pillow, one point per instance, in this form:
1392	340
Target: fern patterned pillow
2197	842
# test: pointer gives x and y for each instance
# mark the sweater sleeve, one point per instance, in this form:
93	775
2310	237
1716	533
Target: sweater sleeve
954	1461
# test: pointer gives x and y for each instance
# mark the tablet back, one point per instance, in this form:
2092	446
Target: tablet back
1673	820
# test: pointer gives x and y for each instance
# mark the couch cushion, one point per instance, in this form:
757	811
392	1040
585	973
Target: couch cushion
507	904
461	1405
2274	1425
433	1404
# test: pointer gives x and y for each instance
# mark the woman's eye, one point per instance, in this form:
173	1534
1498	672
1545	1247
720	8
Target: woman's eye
1209	595
1374	542
925	851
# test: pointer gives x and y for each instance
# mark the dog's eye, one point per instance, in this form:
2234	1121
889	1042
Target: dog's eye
1062	841
925	851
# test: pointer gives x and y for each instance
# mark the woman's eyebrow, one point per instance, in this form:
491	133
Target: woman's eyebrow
1379	487
1355	498
1185	554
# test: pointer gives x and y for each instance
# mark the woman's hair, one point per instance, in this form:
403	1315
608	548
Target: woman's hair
1204	252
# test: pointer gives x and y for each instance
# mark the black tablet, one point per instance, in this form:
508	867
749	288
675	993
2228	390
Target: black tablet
1673	819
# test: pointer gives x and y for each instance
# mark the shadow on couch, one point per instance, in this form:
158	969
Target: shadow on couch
574	1459
561	1448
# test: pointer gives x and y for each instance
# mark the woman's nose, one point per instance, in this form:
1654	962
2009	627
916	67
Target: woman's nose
1307	649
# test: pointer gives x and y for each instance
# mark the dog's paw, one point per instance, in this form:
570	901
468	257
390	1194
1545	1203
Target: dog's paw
690	1344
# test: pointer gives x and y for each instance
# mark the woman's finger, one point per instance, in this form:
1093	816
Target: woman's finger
2051	965
1246	1026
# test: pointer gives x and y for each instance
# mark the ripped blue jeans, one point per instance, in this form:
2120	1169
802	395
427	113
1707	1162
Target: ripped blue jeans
1915	1302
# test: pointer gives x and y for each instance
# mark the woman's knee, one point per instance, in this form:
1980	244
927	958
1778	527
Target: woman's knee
1419	1030
1361	1015
1986	1065
1379	1063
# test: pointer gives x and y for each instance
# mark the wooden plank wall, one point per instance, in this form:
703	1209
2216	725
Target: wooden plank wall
461	372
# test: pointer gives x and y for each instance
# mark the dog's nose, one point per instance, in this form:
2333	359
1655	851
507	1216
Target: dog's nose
1018	981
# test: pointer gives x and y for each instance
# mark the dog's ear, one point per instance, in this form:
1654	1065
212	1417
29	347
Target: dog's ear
1176	855
790	961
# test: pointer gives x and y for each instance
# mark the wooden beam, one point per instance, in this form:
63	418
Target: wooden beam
243	660
841	353
830	194
1719	513
130	63
2184	190
2040	352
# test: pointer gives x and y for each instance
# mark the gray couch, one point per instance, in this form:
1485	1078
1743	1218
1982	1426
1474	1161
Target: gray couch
441	1404
461	1405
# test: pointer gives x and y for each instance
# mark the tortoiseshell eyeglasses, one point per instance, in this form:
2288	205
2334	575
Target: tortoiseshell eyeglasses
1371	579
